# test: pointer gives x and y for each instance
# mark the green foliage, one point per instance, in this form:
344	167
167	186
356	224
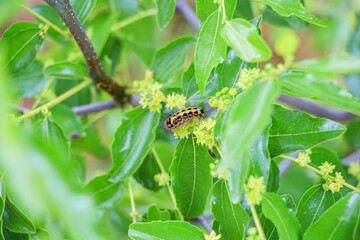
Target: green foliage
72	167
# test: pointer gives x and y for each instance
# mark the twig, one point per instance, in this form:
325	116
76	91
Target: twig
319	172
352	158
133	19
57	100
132	202
312	107
97	72
183	7
257	222
202	221
94	107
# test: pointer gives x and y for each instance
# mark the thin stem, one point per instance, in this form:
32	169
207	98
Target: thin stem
162	169
257	222
48	84
219	150
132	202
57	100
318	171
47	22
223	10
158	161
133	19
96	117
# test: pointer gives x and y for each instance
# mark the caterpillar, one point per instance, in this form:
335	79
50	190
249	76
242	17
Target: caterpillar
183	116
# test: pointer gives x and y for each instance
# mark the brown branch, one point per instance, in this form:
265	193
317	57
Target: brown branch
97	72
314	108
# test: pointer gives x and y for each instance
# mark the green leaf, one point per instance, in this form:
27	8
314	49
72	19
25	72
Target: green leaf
243	10
30	81
305	85
110	55
339	221
352	133
15	220
54	135
190	174
230	6
146	173
190	88
247	118
228	73
67	75
156	214
149	168
12	235
87	143
313	204
139	36
133	140
83	8
170	58
204	8
40	235
165	12
237	175
69	121
210	49
51	15
225	74
232	218
174	230
292	21
99	29
335	65
273	177
284	218
106	194
259	155
22	40
66	70
245	39
294	130
320	154
292	7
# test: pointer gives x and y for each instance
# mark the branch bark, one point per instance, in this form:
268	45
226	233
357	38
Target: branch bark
97	72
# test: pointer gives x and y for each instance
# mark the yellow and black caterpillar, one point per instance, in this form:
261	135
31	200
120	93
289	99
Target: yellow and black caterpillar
183	116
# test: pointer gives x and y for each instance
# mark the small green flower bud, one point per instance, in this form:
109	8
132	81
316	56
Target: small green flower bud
232	91
218	95
225	90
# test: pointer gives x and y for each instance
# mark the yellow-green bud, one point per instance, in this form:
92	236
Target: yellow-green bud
232	91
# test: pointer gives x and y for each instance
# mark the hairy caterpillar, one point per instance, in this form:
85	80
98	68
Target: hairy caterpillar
183	116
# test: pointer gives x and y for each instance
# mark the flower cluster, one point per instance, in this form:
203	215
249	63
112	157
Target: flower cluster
253	234
327	168
336	185
249	76
212	236
213	168
223	99
152	97
175	101
184	130
204	132
254	190
303	158
354	170
162	178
